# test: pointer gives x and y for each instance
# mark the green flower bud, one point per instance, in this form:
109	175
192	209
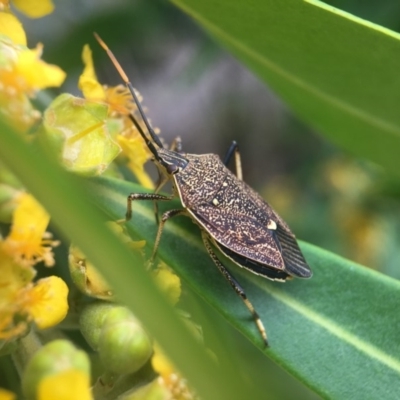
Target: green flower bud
55	357
91	321
124	346
81	133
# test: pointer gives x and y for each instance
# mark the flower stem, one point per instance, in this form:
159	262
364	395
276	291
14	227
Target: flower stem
28	346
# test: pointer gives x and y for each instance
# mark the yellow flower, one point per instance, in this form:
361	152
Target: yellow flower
88	83
13	279
22	70
81	134
58	370
28	243
137	155
34	8
161	363
65	385
35	74
6	395
168	282
22	73
150	391
86	277
121	105
22	301
169	379
46	301
11	27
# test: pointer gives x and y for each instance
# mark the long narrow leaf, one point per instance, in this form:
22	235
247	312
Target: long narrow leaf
337	332
64	198
338	72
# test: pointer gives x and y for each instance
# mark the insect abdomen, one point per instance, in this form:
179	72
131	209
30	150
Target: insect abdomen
257	268
239	221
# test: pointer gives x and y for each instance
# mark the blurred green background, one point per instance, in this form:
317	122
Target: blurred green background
194	89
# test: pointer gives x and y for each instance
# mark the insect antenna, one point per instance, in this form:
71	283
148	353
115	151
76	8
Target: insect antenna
128	84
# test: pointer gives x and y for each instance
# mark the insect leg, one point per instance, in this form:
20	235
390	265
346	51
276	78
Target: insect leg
165	217
236	286
234	149
162	180
143	196
176	146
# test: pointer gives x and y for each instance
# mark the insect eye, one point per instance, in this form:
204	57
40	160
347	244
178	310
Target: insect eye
172	169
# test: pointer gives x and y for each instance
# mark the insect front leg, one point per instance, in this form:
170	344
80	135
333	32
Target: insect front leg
143	196
162	180
165	217
236	286
234	150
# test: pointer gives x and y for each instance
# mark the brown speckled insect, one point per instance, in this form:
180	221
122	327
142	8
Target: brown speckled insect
231	215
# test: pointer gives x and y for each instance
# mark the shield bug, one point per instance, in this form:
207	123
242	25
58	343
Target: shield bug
232	217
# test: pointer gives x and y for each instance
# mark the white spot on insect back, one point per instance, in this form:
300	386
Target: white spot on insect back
271	225
215	202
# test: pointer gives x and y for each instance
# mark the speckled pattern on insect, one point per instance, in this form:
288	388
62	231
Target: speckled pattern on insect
232	216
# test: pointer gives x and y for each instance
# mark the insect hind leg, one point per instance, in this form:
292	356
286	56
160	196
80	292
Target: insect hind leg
236	286
234	150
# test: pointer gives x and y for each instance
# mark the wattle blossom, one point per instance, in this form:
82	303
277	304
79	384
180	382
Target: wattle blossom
22	300
121	105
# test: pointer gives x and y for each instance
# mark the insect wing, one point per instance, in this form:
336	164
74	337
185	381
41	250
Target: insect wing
295	264
259	210
241	234
236	217
242	237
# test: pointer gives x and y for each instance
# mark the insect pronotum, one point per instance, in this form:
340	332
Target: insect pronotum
232	217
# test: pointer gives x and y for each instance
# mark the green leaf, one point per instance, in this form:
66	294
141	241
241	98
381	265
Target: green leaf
63	197
338	332
338	72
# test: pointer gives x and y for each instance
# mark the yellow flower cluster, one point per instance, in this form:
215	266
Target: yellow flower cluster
24	300
87	134
22	72
21	299
120	105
